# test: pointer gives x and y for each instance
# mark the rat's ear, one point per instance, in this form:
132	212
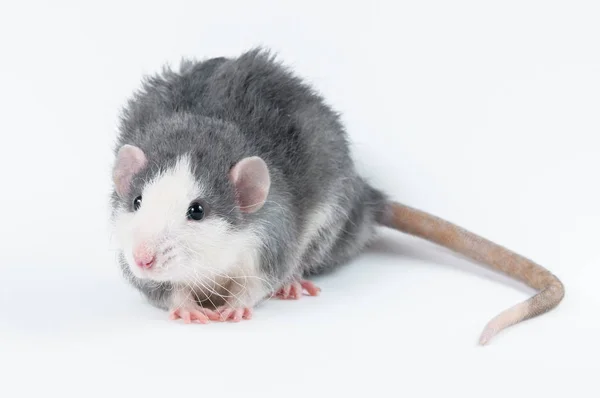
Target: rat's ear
130	160
250	177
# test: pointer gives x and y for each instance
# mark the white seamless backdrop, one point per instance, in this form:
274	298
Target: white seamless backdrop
484	113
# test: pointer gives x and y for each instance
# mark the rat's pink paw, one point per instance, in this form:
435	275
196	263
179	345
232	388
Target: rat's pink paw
226	313
294	290
191	314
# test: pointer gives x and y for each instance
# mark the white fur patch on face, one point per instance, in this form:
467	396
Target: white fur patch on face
185	250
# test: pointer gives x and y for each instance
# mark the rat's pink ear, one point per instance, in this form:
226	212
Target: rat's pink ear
130	160
251	179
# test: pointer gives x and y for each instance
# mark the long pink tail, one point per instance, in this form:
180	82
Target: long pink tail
434	229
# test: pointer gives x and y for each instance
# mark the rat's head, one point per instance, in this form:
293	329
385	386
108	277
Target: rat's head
175	222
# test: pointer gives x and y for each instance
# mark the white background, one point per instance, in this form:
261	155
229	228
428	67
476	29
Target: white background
486	115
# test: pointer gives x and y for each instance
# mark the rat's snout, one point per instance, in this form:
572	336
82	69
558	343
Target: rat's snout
144	256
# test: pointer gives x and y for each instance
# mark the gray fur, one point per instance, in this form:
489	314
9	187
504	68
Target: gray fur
225	109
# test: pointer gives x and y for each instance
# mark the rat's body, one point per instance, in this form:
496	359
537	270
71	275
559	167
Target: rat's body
263	165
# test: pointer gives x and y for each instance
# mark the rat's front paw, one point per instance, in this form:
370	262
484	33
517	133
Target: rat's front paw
227	313
193	313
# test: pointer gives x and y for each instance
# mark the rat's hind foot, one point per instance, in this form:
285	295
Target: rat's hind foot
294	290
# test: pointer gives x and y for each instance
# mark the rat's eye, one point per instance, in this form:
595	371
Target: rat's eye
195	212
137	202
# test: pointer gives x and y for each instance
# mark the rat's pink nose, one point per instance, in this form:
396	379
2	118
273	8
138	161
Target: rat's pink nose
144	256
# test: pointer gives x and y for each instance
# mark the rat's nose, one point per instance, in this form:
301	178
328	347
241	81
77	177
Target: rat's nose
144	256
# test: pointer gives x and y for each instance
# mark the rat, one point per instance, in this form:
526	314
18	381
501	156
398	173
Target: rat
233	183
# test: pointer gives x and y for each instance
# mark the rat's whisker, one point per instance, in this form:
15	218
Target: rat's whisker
199	279
203	287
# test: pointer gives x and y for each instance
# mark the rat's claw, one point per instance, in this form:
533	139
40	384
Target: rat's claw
237	314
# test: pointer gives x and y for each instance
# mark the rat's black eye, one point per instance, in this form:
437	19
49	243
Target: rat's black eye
137	202
195	212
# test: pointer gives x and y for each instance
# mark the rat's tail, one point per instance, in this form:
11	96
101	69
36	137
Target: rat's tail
459	240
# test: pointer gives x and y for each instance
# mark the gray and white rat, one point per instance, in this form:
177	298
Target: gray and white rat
233	182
